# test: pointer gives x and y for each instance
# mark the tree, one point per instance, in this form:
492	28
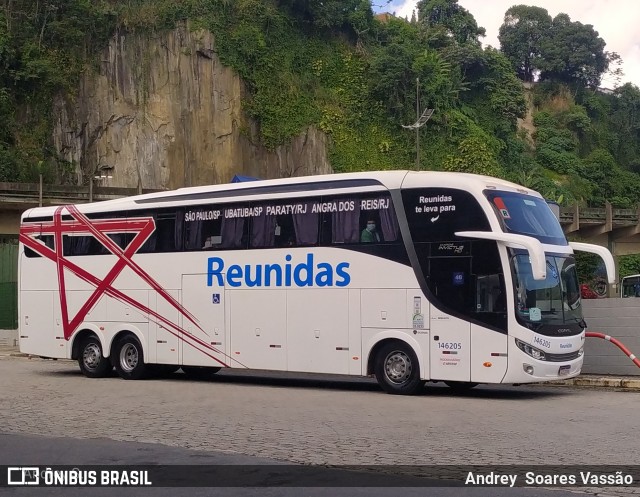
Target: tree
625	119
456	20
332	14
573	53
473	155
520	35
392	77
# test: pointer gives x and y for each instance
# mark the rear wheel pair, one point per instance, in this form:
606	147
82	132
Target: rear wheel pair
128	359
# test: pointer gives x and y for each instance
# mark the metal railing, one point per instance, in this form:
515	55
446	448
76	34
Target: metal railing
37	194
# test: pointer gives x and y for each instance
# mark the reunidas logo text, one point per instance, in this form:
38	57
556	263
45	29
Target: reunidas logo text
255	275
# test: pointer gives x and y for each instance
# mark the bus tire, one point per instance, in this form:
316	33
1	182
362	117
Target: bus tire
200	372
460	386
128	358
92	362
397	369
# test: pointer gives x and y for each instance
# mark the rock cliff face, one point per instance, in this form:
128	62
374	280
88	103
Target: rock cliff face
164	112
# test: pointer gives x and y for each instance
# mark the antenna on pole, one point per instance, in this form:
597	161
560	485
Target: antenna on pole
421	120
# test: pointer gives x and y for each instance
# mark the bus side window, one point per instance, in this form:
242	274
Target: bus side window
75	245
45	239
234	228
288	223
378	221
167	236
365	218
203	228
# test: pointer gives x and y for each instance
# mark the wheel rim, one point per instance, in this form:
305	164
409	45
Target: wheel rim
91	356
398	367
129	357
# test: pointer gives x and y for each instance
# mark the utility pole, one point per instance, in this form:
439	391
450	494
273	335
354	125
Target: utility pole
421	120
417	129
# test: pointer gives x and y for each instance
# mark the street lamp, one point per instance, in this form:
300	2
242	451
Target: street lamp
101	176
421	120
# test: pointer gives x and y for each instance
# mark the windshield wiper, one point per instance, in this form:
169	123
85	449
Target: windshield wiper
581	322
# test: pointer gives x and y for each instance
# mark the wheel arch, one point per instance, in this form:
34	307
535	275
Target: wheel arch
129	330
84	332
384	337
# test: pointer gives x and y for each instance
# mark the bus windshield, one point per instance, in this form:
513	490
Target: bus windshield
527	215
549	303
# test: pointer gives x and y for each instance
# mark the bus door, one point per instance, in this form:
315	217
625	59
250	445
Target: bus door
162	336
450	354
39	302
204	342
36	322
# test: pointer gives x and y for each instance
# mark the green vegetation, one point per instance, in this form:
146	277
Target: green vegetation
44	47
332	64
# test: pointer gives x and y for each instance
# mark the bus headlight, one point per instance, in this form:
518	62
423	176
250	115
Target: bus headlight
581	352
532	351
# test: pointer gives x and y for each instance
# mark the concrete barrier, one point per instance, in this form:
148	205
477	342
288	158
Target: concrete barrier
9	338
619	318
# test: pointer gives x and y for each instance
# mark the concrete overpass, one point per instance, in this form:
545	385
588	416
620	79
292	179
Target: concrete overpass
15	198
616	229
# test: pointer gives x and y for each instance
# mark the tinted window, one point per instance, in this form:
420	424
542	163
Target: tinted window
435	214
285	223
81	244
203	227
167	237
44	239
359	219
527	215
466	279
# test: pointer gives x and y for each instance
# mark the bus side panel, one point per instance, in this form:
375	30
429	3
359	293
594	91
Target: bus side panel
384	308
163	339
120	311
357	361
318	331
450	350
258	329
207	305
36	328
488	355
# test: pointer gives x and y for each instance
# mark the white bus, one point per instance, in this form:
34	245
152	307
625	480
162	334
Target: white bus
407	276
630	286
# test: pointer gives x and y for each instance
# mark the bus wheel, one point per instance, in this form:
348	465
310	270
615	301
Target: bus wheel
93	364
460	386
128	358
397	369
200	372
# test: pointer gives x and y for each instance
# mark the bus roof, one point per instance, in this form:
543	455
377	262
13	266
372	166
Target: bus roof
300	185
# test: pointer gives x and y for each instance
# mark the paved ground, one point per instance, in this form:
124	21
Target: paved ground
213	466
311	421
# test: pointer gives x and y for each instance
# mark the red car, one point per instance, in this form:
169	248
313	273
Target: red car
588	293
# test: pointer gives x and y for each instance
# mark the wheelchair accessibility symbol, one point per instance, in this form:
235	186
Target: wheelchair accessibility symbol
215	298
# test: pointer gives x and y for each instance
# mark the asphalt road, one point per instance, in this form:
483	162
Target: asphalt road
304	419
47	451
